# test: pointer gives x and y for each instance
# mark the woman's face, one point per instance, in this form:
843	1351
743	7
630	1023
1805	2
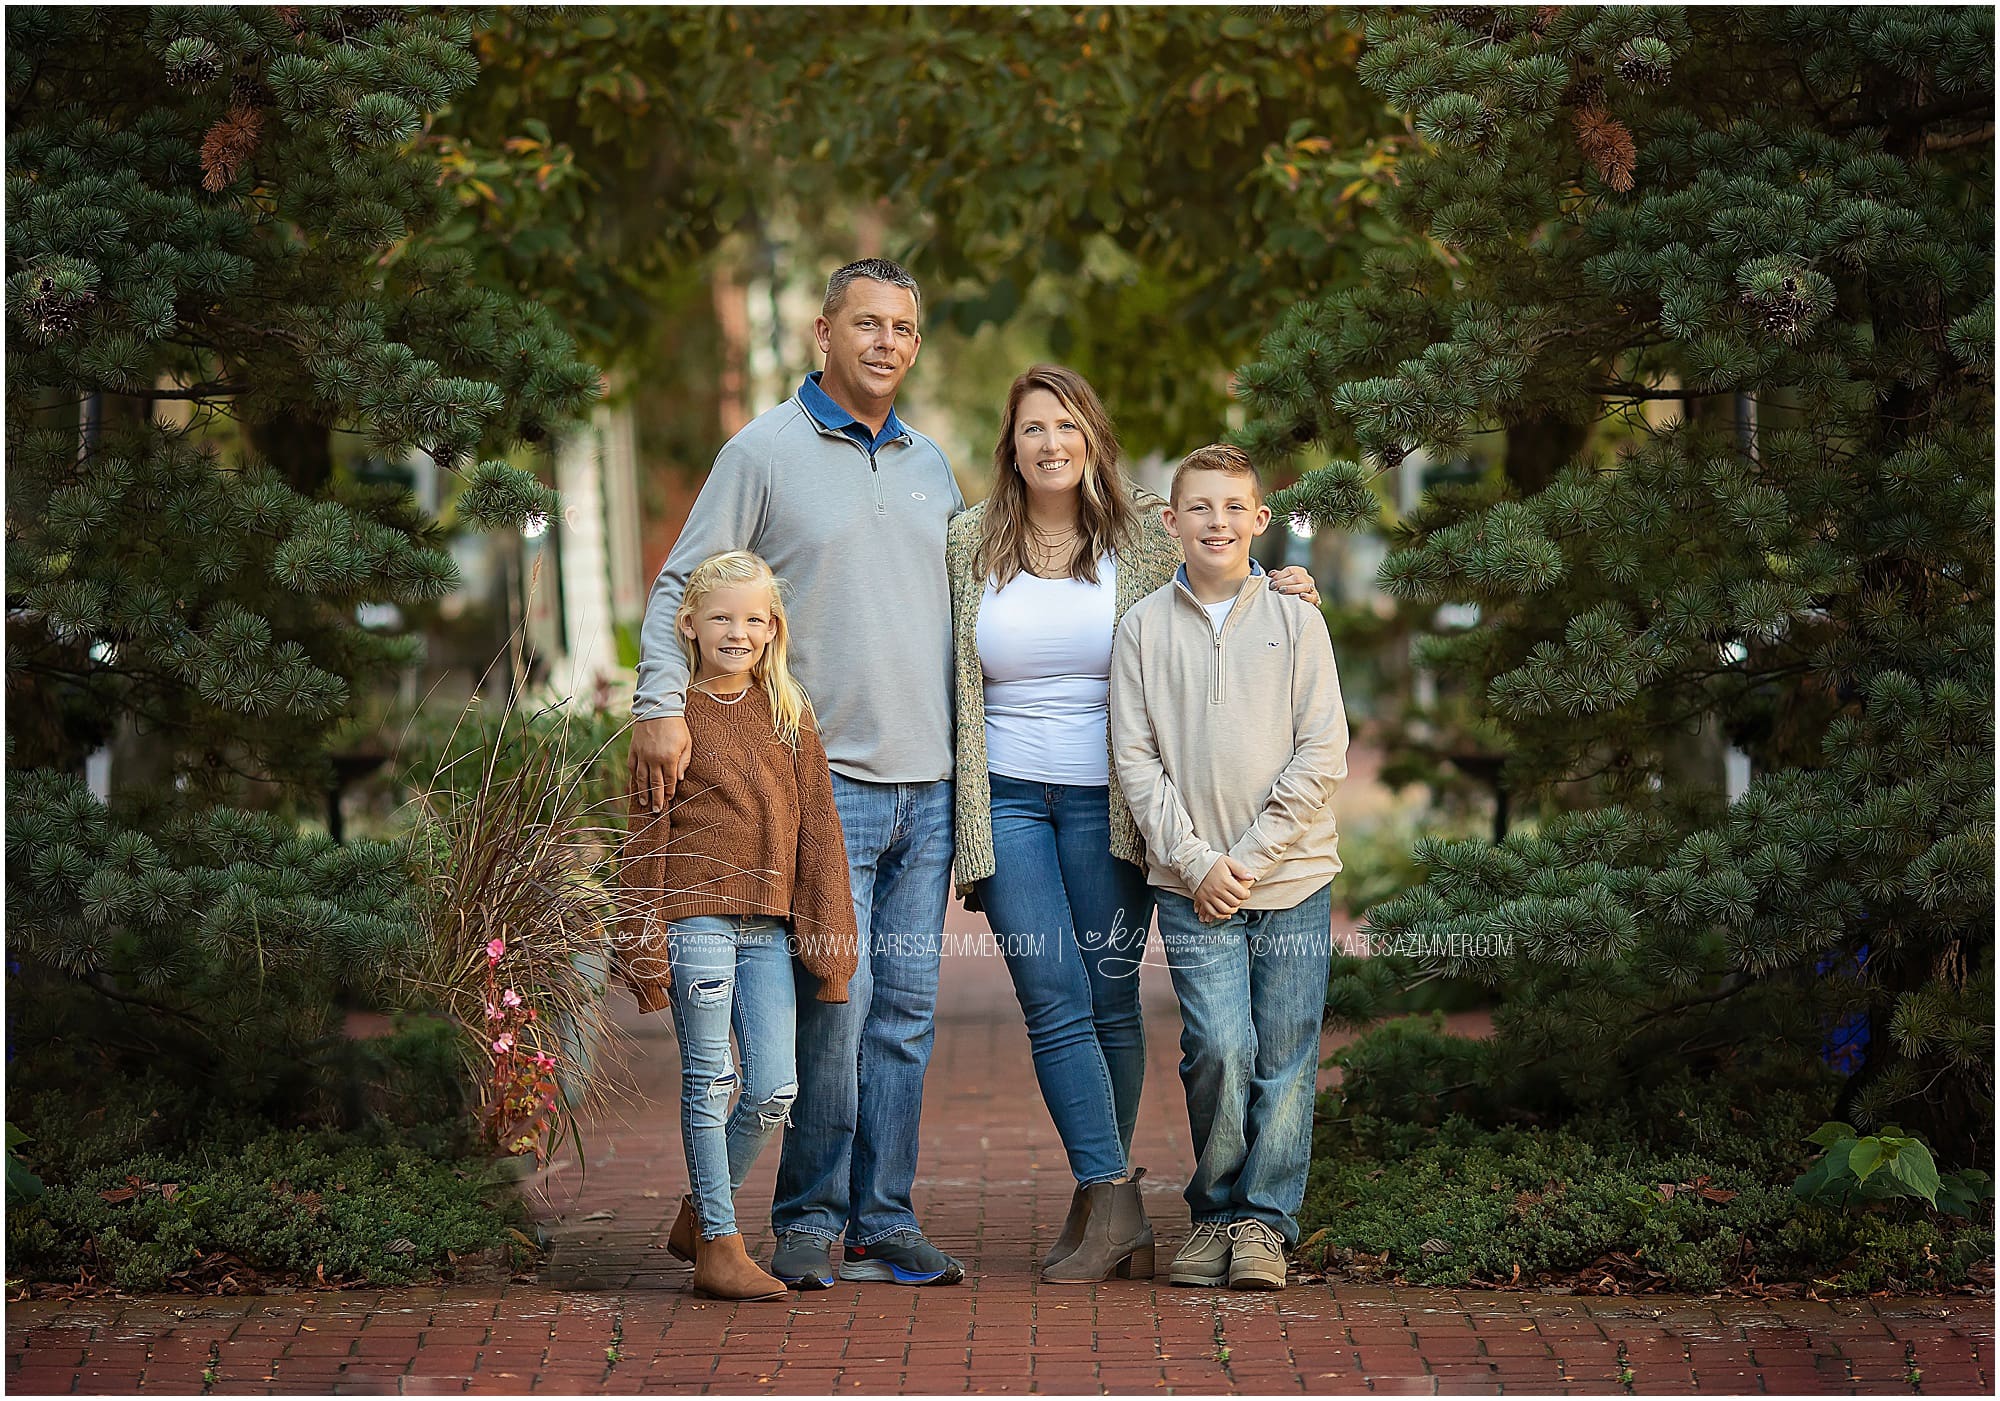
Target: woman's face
1049	447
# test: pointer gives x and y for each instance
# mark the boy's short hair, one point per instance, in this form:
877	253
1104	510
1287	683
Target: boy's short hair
1217	457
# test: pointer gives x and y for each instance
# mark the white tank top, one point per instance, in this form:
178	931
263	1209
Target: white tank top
1045	651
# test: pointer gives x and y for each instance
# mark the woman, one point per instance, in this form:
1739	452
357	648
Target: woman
1041	573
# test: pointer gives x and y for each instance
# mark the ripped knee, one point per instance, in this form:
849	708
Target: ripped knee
776	1112
723	1085
708	992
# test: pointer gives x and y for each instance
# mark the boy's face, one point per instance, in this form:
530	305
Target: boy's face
1215	516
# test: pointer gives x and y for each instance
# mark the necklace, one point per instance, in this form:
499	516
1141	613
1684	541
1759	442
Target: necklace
733	700
1050	552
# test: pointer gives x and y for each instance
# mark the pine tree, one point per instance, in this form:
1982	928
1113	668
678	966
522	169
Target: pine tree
1781	219
225	210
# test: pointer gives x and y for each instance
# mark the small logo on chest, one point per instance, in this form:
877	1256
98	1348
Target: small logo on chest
916	496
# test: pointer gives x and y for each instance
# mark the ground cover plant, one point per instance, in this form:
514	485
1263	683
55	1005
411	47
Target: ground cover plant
1680	1191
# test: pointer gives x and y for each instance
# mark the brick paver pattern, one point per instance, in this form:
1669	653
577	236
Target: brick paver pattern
611	1313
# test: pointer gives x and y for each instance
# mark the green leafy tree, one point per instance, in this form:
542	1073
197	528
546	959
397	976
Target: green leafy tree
1134	179
1781	221
222	211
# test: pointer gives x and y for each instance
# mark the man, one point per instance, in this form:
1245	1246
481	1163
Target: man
849	507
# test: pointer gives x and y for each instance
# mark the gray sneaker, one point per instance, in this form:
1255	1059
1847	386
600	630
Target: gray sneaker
801	1260
1256	1256
904	1258
1204	1260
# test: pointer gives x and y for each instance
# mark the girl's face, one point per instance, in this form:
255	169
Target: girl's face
730	628
1049	446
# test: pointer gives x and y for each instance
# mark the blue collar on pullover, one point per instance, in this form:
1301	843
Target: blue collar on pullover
828	414
1181	578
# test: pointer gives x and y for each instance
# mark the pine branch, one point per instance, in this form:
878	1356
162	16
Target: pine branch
214	389
1639	391
1919	116
1933	142
101	983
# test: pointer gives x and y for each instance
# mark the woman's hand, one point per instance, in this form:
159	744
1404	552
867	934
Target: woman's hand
1294	582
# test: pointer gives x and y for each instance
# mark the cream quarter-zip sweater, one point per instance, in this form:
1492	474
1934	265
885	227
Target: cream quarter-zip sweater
1230	742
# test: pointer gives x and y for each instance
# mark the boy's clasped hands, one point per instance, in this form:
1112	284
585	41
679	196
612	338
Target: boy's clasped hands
1223	890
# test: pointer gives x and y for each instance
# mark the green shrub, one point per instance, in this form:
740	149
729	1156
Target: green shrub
147	1176
317	1205
1694	1194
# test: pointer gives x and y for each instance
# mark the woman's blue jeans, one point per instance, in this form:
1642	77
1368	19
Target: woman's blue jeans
1071	921
731	970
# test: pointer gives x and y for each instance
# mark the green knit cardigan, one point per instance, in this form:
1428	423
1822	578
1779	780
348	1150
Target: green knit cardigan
1141	570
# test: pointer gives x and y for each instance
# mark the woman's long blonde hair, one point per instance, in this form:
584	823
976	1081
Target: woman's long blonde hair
731	569
1105	517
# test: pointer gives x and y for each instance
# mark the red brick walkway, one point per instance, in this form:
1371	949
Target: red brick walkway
610	1313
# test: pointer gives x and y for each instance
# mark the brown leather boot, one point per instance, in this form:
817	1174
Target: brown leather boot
686	1233
723	1270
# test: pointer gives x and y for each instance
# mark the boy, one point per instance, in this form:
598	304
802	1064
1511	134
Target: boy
1229	735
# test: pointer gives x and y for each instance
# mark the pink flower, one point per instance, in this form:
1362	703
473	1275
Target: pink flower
510	998
494	1014
544	1061
504	1043
496	949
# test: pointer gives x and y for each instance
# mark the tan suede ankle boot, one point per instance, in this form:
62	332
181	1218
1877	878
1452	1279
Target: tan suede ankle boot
723	1270
686	1233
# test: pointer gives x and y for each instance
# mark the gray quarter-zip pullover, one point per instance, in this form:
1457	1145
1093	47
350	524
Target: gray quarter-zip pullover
858	540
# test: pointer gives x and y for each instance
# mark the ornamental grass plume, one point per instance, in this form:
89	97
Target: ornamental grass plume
514	845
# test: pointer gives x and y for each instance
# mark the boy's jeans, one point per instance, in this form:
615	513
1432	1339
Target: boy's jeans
1072	920
851	1158
1252	992
730	969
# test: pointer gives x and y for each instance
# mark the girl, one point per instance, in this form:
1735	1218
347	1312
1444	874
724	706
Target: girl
1041	573
748	843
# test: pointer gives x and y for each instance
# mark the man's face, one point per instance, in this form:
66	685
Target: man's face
869	342
1215	516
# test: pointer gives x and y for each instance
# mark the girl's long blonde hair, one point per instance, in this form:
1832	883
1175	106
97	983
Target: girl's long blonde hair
731	569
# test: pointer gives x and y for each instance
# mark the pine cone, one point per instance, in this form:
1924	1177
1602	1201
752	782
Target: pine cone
1588	92
1393	454
195	70
247	90
1473	17
1783	315
1634	67
55	313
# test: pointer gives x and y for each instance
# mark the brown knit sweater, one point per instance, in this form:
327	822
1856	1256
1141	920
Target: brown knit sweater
750	830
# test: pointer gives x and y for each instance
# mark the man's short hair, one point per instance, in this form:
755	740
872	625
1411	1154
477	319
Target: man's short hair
875	270
1217	457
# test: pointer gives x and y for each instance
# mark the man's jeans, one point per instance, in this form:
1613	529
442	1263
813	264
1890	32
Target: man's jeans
1071	921
1252	992
731	970
851	1158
